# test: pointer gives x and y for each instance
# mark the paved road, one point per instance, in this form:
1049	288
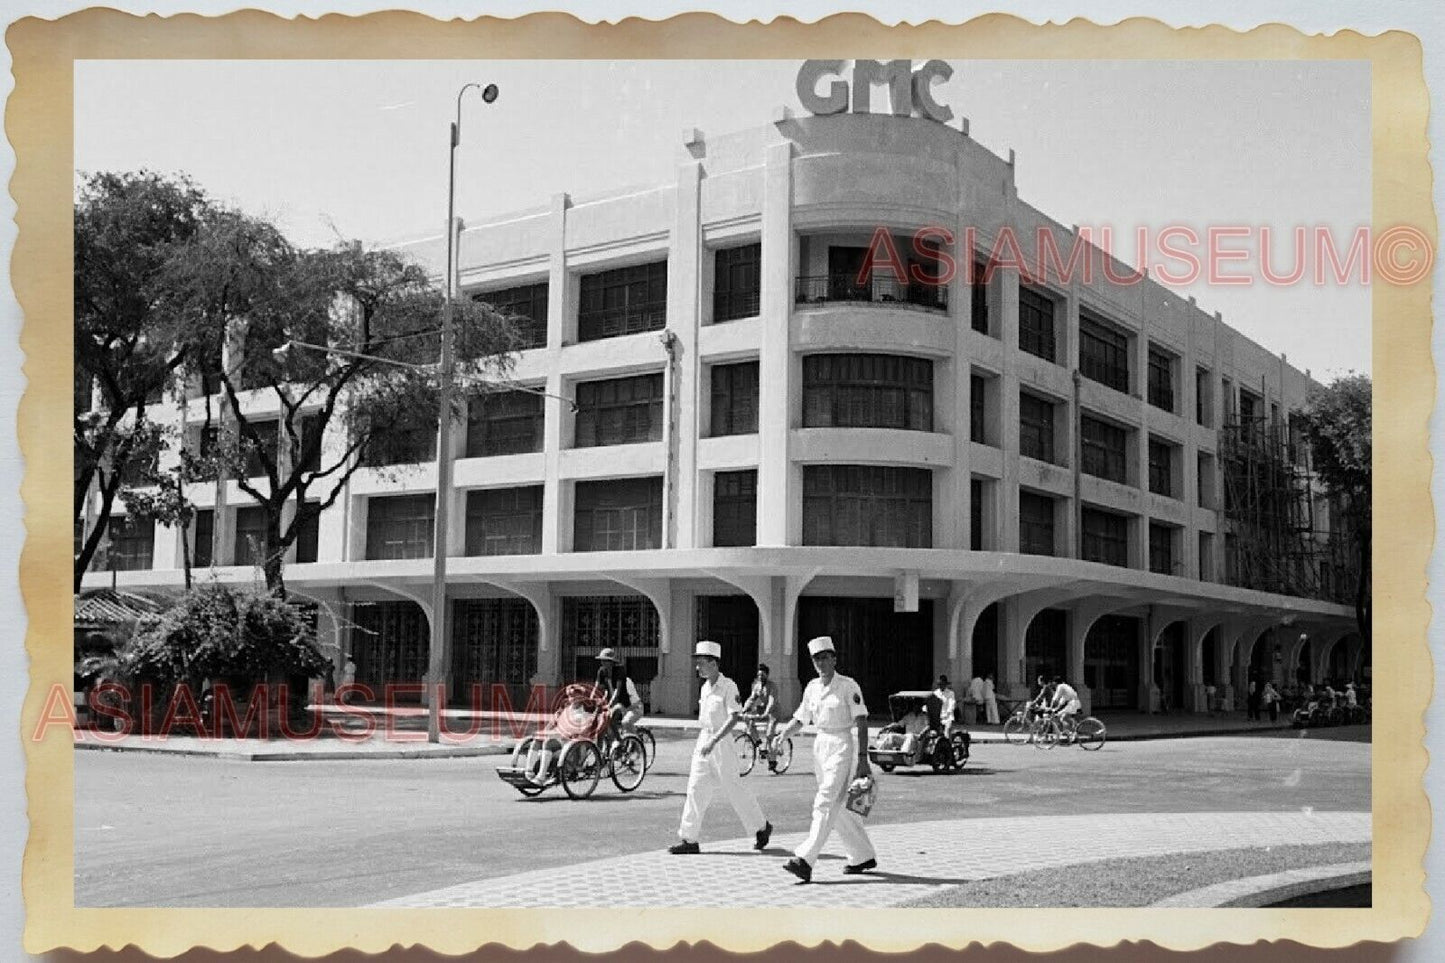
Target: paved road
155	830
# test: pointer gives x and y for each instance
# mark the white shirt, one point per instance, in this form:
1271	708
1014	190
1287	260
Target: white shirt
1064	694
718	702
834	707
947	703
632	695
975	690
988	691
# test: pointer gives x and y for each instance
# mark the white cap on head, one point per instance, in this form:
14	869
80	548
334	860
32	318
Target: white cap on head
711	649
823	643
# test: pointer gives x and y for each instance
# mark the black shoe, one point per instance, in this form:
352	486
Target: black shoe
762	836
862	867
800	869
684	848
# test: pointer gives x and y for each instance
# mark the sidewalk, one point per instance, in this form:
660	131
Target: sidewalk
399	733
915	861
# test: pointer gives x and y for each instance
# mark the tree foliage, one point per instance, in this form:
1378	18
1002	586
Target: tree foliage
1337	424
127	230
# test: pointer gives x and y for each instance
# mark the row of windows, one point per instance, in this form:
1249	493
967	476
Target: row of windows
843	505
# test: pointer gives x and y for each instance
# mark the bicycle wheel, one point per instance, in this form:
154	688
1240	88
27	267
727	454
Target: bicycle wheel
783	757
580	768
1046	734
1014	730
1090	733
628	763
960	749
746	751
649	743
523	751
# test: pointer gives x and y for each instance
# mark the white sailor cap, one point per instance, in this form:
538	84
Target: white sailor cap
823	643
710	649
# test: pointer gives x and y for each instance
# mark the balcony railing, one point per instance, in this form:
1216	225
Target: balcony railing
879	289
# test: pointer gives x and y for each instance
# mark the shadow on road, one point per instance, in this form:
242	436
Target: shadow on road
929	773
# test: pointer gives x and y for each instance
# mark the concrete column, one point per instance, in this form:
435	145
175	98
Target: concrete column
561	313
1078	624
1006	533
774	367
549	645
684	274
783	658
1148	691
955	494
674	689
1011	666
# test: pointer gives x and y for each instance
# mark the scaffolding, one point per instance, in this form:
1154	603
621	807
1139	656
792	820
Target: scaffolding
1281	534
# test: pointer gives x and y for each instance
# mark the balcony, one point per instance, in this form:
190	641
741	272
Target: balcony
883	290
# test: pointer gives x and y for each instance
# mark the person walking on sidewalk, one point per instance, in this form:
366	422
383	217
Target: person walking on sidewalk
1251	701
990	700
975	699
713	771
1271	701
834	703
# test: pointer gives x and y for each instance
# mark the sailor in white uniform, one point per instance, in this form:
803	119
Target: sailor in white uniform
834	704
715	769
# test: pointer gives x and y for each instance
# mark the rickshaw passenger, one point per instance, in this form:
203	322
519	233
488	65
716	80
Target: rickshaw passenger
624	706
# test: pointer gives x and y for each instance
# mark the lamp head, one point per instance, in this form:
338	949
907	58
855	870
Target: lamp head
282	354
489	93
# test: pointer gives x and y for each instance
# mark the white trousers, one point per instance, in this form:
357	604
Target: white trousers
834	760
991	704
710	774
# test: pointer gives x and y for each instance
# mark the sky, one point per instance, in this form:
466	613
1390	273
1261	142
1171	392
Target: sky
358	149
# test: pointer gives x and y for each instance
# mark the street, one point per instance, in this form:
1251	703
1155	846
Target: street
153	830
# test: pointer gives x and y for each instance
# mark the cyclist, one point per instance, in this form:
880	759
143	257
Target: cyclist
624	705
1065	702
762	705
1043	692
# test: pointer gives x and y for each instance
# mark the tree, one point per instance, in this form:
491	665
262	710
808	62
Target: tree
128	229
244	292
1337	425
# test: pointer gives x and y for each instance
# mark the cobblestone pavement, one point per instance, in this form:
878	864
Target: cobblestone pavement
915	859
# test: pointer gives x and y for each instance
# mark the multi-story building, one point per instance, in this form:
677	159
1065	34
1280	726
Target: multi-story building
996	472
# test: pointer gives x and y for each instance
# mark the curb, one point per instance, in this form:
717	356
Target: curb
449	752
1260	891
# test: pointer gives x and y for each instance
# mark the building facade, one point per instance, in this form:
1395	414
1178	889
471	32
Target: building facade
994	470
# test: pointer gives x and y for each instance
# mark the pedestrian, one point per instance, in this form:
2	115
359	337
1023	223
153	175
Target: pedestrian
975	698
947	703
712	771
1251	700
834	703
990	700
1271	701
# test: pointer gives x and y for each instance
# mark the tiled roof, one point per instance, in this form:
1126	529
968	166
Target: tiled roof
111	607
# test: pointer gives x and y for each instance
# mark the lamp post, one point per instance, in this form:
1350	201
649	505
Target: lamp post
439	651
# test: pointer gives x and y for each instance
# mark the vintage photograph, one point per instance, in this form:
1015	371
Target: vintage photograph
776	483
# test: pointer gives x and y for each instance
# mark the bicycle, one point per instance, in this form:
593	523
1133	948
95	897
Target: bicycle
750	747
1018	727
1050	729
649	741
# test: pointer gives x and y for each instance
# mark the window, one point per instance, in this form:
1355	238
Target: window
867	391
619	411
402	443
1161	379
1036	323
1227	389
623	301
526	306
1161	468
1161	549
1104	449
1206	556
203	538
618	515
1103	353
735	508
1205	467
400	526
735	399
269	432
978	409
978	291
250	543
308	536
1248	406
132	544
1036	524
853	276
505	521
1104	537
737	282
1203	398
867	505
504	423
975	514
1036	427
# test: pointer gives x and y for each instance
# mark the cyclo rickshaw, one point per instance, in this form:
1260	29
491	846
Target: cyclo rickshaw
916	736
576	750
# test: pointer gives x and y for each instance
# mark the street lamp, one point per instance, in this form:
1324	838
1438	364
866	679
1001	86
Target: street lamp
439	650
